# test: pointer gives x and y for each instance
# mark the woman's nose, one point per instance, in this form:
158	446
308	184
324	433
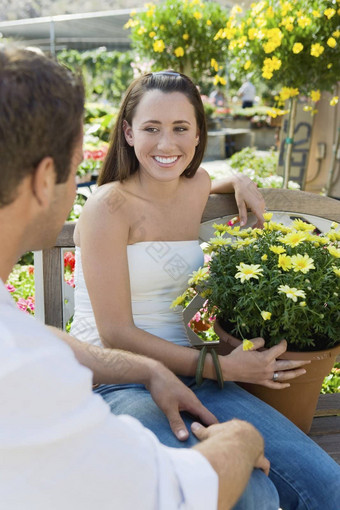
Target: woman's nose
165	140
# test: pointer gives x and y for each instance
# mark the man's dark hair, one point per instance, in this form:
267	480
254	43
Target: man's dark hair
41	109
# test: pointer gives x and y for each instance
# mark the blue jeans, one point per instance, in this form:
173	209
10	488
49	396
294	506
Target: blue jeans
303	475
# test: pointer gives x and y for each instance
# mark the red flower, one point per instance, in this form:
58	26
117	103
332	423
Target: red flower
69	260
98	154
30	269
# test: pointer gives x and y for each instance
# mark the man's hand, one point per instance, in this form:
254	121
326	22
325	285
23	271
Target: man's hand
233	449
172	396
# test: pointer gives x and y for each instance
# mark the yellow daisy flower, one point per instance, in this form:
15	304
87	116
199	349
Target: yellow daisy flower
178	301
334	251
248	271
199	275
293	239
291	292
302	225
302	263
334	100
267	216
219	241
277	249
284	262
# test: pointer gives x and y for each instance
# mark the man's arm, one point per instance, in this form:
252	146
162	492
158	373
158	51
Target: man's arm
233	449
113	366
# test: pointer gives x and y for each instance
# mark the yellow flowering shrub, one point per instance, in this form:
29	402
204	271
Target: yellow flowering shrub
179	34
283	283
286	44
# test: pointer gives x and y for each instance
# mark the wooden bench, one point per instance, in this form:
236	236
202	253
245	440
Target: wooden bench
54	298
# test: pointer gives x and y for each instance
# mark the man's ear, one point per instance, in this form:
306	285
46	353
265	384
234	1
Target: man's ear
128	133
43	182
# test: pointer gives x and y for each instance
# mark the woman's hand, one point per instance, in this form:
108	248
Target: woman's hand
247	196
259	367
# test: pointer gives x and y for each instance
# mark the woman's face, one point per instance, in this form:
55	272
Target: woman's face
164	134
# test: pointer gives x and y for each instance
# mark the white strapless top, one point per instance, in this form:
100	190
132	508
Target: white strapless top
159	272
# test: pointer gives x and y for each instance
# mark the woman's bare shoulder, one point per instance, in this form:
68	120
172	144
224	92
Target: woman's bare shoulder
106	210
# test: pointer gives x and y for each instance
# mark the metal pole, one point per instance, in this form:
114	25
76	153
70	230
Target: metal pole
52	37
289	141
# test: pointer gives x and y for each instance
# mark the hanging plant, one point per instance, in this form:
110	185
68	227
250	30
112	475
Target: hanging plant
292	46
179	34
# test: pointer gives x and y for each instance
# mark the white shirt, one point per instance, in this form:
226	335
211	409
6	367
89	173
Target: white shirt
247	91
62	449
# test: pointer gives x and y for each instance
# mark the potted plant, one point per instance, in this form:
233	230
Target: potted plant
275	283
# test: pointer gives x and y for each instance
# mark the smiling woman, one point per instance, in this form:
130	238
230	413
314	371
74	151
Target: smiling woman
137	243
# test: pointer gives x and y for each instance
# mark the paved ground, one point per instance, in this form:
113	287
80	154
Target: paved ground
219	167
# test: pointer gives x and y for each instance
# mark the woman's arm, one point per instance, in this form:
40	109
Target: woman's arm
247	196
104	232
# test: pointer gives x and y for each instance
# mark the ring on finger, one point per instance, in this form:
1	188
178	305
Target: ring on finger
275	376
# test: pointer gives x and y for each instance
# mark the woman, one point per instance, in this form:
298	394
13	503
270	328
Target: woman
138	239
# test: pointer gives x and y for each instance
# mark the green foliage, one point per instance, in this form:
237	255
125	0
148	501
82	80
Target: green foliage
331	383
260	167
107	74
179	34
263	164
99	119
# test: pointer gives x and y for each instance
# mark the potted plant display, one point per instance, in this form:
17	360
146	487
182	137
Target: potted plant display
282	282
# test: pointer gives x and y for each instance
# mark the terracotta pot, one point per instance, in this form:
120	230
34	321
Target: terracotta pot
298	402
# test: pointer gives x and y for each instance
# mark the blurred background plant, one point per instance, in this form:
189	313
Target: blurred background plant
106	73
179	34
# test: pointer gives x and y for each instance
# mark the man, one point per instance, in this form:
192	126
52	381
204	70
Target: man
247	93
60	448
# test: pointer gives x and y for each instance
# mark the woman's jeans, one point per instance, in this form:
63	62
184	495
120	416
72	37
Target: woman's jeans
302	476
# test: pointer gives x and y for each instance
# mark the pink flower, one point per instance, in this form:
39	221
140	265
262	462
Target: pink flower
197	317
207	258
10	287
31	303
22	304
233	221
71	282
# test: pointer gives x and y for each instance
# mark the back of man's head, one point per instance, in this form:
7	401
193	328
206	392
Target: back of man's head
41	108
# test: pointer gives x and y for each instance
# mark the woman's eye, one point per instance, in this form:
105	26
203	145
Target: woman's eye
151	129
181	129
